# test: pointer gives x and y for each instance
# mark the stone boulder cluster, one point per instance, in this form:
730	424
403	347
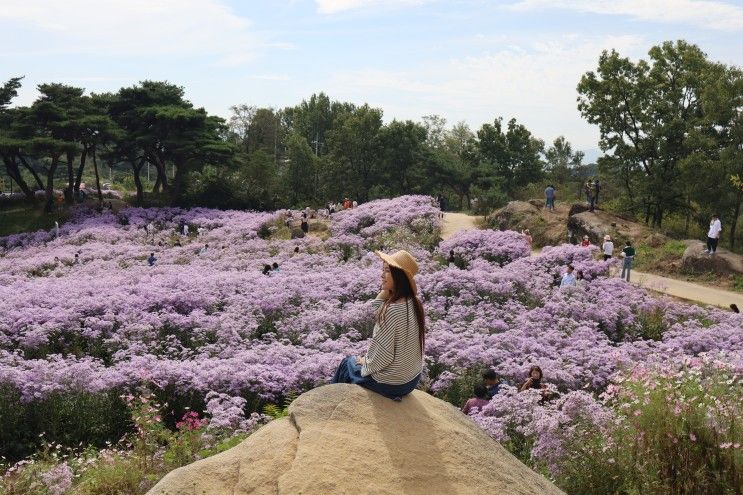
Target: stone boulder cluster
550	228
342	438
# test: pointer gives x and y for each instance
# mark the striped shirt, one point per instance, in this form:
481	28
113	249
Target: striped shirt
394	355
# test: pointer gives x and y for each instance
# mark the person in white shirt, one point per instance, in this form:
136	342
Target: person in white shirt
608	247
568	280
713	235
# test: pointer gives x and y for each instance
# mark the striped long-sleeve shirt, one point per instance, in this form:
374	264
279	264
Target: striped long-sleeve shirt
394	355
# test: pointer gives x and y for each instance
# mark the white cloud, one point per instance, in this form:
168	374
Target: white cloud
710	14
135	27
533	82
336	6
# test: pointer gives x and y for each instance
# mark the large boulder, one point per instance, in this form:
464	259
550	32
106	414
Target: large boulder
345	439
723	262
596	224
547	228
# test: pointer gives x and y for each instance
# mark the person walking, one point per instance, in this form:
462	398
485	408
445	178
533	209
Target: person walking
596	189
393	363
713	234
305	225
628	253
549	194
607	247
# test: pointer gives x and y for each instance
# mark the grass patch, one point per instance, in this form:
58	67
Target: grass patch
27	218
662	259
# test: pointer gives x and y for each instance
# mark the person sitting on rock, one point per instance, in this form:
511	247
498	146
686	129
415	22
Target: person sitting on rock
492	383
392	365
479	401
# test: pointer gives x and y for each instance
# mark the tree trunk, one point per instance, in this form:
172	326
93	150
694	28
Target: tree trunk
178	183
97	178
69	190
79	177
138	181
15	175
49	206
37	178
734	220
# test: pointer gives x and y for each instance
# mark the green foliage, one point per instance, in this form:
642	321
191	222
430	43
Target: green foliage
462	388
70	418
659	258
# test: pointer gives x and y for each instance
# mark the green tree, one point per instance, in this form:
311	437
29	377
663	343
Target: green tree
646	112
509	158
301	170
561	160
168	130
355	150
403	156
11	144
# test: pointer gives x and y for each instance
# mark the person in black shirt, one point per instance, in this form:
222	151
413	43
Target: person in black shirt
492	383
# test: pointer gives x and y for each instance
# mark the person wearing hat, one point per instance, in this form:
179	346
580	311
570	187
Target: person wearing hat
392	364
608	247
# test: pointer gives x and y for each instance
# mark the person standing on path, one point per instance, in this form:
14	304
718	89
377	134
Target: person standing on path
549	194
713	235
392	365
628	253
607	247
596	189
305	226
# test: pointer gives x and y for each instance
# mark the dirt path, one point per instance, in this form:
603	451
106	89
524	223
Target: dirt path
687	290
454	222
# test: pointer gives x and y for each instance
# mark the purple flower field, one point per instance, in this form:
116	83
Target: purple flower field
199	323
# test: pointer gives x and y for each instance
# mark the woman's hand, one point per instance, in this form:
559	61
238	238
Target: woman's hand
361	360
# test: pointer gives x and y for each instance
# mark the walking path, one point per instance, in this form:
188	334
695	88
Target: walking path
455	222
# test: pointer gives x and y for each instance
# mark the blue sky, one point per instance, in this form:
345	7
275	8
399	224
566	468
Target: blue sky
469	60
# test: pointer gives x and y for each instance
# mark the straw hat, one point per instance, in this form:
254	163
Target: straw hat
405	262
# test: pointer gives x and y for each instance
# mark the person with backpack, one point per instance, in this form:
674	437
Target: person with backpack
628	253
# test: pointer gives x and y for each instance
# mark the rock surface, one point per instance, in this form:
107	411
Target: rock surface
547	228
596	224
345	439
723	262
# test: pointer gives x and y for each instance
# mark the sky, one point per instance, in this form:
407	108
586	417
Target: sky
468	60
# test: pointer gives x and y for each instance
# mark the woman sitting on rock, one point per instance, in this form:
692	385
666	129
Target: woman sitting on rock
392	365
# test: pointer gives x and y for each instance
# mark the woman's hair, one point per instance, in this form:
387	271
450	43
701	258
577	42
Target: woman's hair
481	391
536	368
403	290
